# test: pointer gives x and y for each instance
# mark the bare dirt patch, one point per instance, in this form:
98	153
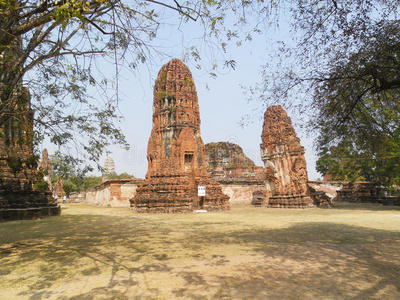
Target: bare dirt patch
349	252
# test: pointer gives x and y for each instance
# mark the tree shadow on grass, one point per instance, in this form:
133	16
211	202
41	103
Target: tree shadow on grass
308	261
82	246
312	260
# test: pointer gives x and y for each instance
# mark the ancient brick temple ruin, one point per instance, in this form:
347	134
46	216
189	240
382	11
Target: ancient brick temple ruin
227	160
21	197
175	153
284	162
23	193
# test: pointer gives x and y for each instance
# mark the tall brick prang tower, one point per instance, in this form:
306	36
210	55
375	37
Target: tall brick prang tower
175	152
284	162
21	195
19	198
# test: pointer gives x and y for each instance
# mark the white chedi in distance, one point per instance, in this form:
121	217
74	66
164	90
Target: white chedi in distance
109	166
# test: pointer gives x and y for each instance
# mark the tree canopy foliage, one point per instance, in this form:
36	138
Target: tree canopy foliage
342	70
56	48
360	95
360	107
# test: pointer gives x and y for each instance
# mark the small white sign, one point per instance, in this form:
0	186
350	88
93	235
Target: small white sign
201	191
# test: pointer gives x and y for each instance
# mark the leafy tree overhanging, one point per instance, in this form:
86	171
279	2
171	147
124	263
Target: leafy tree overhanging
58	44
342	71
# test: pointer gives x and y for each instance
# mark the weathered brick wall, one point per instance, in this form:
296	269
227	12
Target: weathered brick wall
113	193
76	197
239	190
330	188
362	192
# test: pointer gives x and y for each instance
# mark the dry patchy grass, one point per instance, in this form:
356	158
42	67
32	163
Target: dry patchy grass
349	252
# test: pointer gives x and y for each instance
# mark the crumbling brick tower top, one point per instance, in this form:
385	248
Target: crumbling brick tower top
175	153
284	161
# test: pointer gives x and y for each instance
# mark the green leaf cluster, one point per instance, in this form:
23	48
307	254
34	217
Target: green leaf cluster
15	164
70	10
41	186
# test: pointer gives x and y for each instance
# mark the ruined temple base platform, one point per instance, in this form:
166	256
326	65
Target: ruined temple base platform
27	205
28	213
178	194
290	202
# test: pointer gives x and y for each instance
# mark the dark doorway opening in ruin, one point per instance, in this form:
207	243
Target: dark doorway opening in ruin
188	158
188	161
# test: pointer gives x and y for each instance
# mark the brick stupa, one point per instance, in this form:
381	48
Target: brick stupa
284	162
175	153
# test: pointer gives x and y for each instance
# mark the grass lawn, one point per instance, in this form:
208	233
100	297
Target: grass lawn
348	252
